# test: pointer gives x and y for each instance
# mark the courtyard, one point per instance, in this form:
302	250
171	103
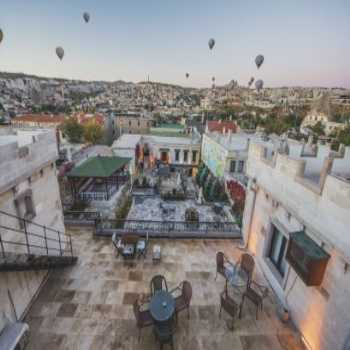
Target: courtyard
89	305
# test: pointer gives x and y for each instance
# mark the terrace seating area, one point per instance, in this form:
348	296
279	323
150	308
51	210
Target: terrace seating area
105	301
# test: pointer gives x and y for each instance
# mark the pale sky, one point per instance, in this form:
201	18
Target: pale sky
305	42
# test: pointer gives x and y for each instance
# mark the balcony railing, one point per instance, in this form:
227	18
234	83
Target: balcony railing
32	237
174	229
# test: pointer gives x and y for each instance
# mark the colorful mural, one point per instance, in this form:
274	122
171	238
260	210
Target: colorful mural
213	155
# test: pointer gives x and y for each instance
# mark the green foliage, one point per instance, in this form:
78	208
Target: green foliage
73	130
344	136
191	215
93	132
123	211
203	176
318	129
207	188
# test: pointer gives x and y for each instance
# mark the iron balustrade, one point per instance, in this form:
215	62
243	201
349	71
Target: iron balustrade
169	227
61	243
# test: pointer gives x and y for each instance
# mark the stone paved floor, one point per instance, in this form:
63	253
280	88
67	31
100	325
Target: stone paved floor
88	306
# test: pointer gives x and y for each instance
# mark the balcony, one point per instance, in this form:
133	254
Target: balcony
89	305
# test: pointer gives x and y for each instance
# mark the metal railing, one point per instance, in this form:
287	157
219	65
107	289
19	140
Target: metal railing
169	228
81	218
33	237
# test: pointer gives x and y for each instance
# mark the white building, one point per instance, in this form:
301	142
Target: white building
150	149
296	223
29	190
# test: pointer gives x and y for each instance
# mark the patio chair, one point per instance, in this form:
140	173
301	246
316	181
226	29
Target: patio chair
182	301
157	284
220	264
164	333
118	244
141	247
129	246
143	317
228	304
247	264
256	293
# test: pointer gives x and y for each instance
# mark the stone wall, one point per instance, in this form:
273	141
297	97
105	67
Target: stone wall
277	196
33	170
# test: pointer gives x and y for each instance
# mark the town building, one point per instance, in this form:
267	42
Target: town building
29	193
221	127
148	151
296	223
132	123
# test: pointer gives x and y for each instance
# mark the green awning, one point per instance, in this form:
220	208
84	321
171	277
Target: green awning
309	246
99	167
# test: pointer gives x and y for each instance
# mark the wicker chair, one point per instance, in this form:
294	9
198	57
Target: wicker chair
256	293
157	284
182	301
143	317
228	304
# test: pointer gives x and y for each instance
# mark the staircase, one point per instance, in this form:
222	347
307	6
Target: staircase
32	246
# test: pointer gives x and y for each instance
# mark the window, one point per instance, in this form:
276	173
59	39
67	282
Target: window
277	250
129	122
138	123
25	206
232	166
177	155
240	166
185	156
194	156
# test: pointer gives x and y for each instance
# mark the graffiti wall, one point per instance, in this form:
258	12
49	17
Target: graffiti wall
213	155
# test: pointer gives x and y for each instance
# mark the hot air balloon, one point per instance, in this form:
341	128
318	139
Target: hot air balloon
86	17
1	36
259	84
187	75
211	43
251	81
213	79
59	52
259	60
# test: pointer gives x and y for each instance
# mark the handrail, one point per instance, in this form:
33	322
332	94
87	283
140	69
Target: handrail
31	222
63	241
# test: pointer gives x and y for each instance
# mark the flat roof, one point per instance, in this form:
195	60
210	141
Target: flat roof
99	167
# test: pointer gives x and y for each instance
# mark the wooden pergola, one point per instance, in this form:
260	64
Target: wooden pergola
98	178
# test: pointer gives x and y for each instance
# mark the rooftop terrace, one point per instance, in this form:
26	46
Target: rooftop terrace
89	305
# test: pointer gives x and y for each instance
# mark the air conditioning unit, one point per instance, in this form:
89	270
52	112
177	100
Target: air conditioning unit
307	258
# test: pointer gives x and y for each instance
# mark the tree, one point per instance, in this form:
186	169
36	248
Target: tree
344	136
318	129
93	132
73	130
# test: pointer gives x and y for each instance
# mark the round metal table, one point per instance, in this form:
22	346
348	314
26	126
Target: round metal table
162	306
237	277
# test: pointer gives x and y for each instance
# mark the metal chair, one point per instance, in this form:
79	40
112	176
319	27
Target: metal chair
143	318
220	264
164	333
141	247
247	264
256	293
182	302
157	284
228	304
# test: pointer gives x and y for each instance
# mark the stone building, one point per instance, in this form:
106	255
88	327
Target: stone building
296	223
183	152
28	190
132	124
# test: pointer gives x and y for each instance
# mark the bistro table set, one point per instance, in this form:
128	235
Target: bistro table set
160	309
240	277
